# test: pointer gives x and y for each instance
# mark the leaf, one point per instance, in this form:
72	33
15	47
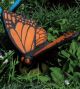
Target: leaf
57	75
65	54
50	30
44	78
66	66
50	37
62	21
77	74
55	31
73	47
78	53
70	70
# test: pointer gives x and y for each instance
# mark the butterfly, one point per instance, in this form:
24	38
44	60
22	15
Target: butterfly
28	38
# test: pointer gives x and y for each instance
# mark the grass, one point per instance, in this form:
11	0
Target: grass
56	21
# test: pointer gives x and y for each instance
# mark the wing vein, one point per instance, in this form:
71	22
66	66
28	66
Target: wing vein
26	35
20	40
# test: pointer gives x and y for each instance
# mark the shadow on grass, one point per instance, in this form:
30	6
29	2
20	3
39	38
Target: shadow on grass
5	42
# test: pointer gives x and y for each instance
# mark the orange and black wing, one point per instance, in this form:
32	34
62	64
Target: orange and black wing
62	39
23	33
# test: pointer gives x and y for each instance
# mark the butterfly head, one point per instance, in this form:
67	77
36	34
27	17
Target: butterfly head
26	59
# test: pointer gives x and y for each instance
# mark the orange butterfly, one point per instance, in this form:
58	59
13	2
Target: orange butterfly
28	38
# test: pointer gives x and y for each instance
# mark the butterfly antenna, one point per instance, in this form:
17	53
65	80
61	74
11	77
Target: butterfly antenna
15	5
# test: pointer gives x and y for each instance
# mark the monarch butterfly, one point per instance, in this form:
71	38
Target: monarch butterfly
27	37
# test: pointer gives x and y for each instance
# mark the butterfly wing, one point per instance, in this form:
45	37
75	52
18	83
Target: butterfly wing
23	33
41	36
62	39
